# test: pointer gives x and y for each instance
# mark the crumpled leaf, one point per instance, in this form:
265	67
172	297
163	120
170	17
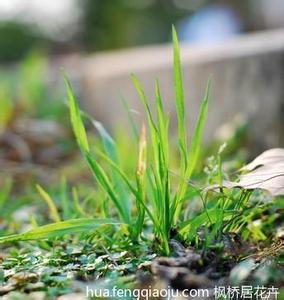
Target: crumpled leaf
268	177
265	172
268	157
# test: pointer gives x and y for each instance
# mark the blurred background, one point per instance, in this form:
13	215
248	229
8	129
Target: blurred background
69	26
99	43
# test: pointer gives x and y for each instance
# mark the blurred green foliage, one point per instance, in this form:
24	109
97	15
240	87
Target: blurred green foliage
17	40
25	89
111	24
114	24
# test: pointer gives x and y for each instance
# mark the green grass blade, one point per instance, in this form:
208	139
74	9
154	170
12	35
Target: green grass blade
107	140
130	118
59	229
132	189
82	140
193	154
120	172
154	132
179	97
76	120
189	227
197	136
111	151
145	102
158	181
163	126
105	183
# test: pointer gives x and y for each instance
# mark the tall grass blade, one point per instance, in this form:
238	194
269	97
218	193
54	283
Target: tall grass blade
75	116
145	102
130	118
154	132
111	151
81	136
59	229
179	95
198	132
133	190
163	126
107	140
193	153
106	184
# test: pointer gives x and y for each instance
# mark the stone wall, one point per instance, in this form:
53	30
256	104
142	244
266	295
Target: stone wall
247	79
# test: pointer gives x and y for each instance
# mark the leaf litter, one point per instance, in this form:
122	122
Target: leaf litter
266	172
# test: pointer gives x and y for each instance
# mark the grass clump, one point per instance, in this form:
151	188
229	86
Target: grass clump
146	202
148	192
150	186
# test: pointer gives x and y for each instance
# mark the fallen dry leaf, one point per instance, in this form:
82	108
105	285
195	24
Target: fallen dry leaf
268	157
265	172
